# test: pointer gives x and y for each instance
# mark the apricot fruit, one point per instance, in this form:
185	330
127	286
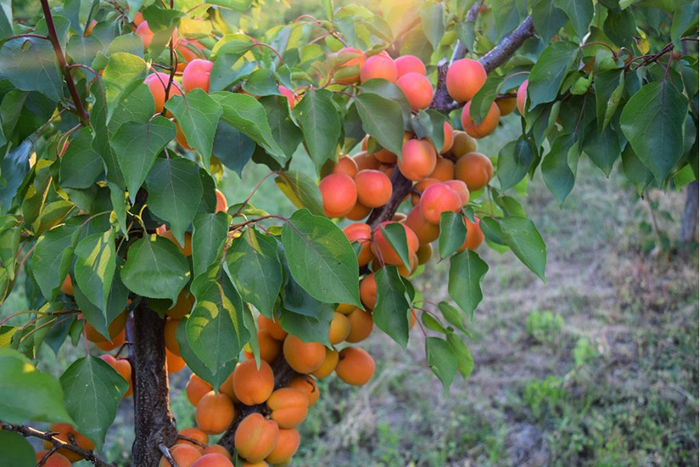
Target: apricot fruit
307	386
287	445
380	66
424	253
123	367
183	305
217	449
463	144
185	249
63	430
464	79
138	18
409	64
475	236
355	367
184	455
384	252
522	98
486	127
212	460
256	437
158	83
361	325
349	71
437	199
373	188
221	202
340	328
418	159
215	413
328	365
506	105
171	336
303	357
444	170
195	434
288	407
67	285
420	187
365	161
173	363
145	33
461	188
424	230
55	460
368	293
361	233
345	308
252	385
474	169
358	212
196	389
273	327
118	341
289	95
269	347
114	329
448	133
346	165
417	89
196	75
339	194
180	137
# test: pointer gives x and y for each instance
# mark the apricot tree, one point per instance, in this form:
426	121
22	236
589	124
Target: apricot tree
119	118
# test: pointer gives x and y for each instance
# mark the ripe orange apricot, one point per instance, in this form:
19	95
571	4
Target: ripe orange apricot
340	328
474	169
424	230
461	188
252	385
123	367
475	236
170	336
288	407
173	363
380	66
373	188
118	341
437	199
522	97
385	156
448	133
167	233
196	75
463	144
358	212
328	365
361	233
345	308
138	18
273	327
356	366
269	347
196	389
486	127
158	83
339	194
195	434
417	89
464	79
349	71
420	187
212	460
413	262
256	437
255	464
361	325
384	252
182	306
215	412
67	285
114	329
365	161
409	64
303	357
180	137
413	320
145	33
289	94
444	170
506	105
424	253
56	459
307	386
221	202
63	430
418	159
217	449
368	293
346	165
184	455
287	445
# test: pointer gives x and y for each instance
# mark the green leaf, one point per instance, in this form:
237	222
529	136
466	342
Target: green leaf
27	394
652	121
441	360
635	170
261	82
155	268
301	190
453	316
603	147
197	113
253	256
514	161
9	245
388	91
52	259
92	390
30	65
521	235
124	72
227	67
453	231
5	19
395	235
467	271
433	22
160	18
232	147
580	12
393	309
465	362
382	119
94	267
80	165
307	328
174	193
484	98
136	146
116	303
196	365
547	18
608	86
548	73
684	17
621	26
16	450
506	16
320	125
321	259
556	170
208	239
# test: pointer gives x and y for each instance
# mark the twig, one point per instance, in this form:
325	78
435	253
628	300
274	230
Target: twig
166	453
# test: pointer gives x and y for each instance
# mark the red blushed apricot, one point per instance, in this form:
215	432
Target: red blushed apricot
340	328
475	236
217	449
486	127
417	89
256	437
361	233
307	386
461	188
303	357
196	75
361	325
269	347
63	430
418	159
506	105
474	169
356	366
339	194
215	413
212	460
183	305
424	230
118	341
444	170
273	327
424	253
358	212
180	137
409	64
252	385
145	33
183	455
329	364
288	407
287	445
368	293
380	66
421	187
365	161
67	285
195	434
385	252
346	165
448	133
438	199
123	367
522	97
289	94
464	79
158	83
173	363
196	389
171	336
221	202
56	459
114	329
462	144
349	71
373	188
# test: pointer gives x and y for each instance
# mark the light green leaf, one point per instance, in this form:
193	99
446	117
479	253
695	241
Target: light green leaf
301	190
124	72
441	360
52	258
80	165
548	73
320	125
465	362
433	22
521	235
30	65
556	169
382	119
94	267
453	231
208	239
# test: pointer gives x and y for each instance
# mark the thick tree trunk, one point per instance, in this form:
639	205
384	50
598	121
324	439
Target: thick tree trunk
154	424
689	227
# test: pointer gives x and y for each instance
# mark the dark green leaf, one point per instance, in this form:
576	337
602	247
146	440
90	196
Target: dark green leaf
52	259
521	235
306	328
453	231
603	147
94	267
123	74
208	239
483	99
382	119
635	170
580	12
392	311
547	18
556	167
395	235
16	450
196	365
320	125
608	86
514	161
233	148
441	360
80	165
548	73
301	190
30	65
467	270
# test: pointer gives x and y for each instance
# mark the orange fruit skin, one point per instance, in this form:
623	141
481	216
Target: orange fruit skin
462	144
289	95
474	169
340	328
252	385
328	365
157	83
358	212
217	449
365	161
368	292
63	429
287	445
114	329
385	156
273	327
118	341
180	137
461	188
384	252
183	454
67	285
173	363
418	159
56	459
475	237
269	347
196	389
183	306
522	97
194	433
307	386
215	413
361	233
123	367
409	64
506	105
437	199
424	230
421	187
346	165
464	79
380	66
171	336
356	366
138	18
221	203
373	188
213	460
256	464
486	127
256	437
357	59
196	75
345	308
186	249
444	170
448	132
288	407
145	33
361	325
417	89
339	194
303	357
